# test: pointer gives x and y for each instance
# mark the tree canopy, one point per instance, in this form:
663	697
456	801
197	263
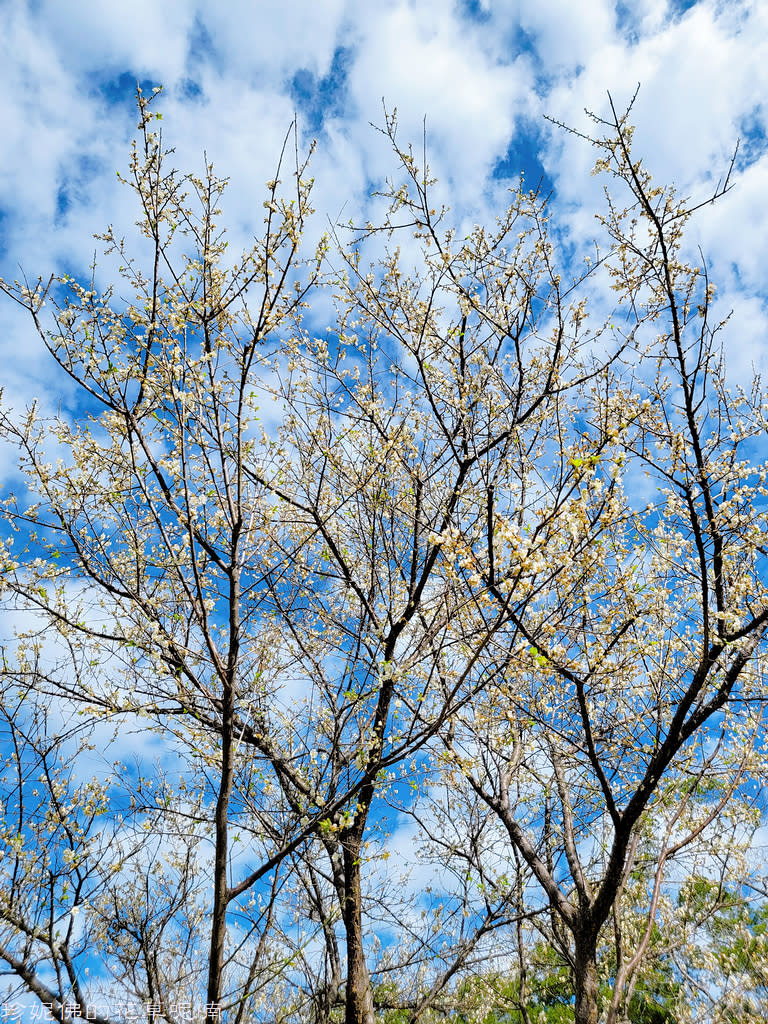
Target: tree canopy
409	669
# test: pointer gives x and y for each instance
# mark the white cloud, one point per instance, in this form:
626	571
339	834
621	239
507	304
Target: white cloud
229	72
567	34
423	61
479	80
733	231
265	42
138	36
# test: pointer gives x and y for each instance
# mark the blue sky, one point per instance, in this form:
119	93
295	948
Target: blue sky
482	72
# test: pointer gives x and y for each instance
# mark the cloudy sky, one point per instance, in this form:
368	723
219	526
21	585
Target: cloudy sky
483	73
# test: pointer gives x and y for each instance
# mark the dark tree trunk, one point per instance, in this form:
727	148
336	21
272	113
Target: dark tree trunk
359	995
585	969
220	885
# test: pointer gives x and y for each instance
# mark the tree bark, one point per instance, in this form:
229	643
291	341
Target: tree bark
359	995
585	968
220	882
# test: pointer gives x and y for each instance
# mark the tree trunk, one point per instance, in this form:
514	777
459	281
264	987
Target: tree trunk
586	981
221	856
359	995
